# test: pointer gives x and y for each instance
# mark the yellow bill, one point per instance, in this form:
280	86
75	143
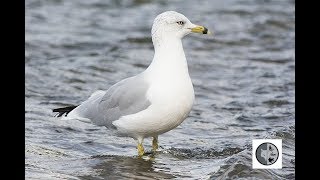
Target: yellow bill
200	29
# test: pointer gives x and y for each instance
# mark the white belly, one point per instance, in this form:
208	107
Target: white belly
170	105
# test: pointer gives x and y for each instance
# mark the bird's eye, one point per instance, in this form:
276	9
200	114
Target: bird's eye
180	22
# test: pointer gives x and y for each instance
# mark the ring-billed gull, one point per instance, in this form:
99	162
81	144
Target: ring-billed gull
154	101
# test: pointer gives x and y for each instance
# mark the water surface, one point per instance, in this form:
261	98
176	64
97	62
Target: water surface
243	78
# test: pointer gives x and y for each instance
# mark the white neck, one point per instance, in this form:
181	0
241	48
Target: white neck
169	58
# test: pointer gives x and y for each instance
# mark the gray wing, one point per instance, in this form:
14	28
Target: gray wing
126	97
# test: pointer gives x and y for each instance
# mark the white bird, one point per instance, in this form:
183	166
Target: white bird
154	101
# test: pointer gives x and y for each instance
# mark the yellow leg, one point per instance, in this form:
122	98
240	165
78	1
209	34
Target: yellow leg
140	149
155	143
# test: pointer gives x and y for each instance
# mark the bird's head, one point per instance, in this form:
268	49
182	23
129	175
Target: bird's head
172	24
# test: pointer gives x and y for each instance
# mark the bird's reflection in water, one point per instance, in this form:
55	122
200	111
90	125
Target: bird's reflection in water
116	167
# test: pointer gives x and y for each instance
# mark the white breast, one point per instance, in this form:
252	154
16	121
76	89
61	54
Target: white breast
171	102
175	102
171	94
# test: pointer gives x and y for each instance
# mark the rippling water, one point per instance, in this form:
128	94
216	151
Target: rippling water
244	83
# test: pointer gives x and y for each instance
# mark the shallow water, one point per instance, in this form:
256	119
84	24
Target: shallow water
243	78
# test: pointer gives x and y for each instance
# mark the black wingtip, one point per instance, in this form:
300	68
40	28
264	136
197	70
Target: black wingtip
64	110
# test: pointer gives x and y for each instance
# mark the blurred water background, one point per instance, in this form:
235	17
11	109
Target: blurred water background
244	81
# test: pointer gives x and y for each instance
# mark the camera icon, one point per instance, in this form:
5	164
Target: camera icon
267	153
